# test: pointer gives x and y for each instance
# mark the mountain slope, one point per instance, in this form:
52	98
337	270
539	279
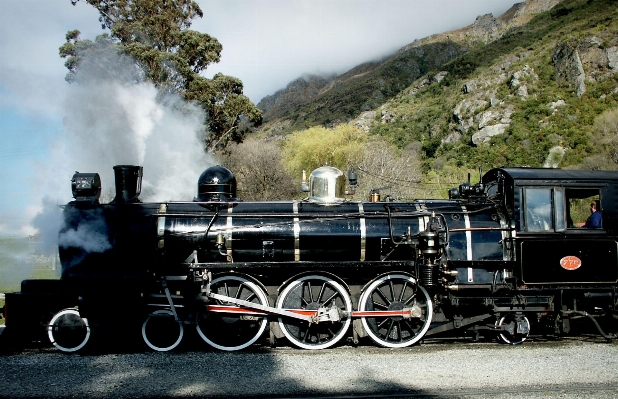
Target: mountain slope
528	98
311	100
495	93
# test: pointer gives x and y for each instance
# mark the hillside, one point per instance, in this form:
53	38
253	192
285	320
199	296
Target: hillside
521	89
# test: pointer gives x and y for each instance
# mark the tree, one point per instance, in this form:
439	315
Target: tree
259	173
155	35
317	146
379	165
385	169
606	126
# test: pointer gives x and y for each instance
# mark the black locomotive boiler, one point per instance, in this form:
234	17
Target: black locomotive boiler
497	258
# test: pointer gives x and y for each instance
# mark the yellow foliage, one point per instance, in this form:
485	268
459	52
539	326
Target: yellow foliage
437	183
318	146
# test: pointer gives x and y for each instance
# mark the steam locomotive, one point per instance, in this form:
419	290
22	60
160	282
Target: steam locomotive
497	259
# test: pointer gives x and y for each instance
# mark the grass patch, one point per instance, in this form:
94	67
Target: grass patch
22	259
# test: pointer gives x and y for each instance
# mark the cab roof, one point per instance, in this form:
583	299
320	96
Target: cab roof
524	173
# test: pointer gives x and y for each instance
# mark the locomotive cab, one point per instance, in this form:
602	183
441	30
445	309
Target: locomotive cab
548	209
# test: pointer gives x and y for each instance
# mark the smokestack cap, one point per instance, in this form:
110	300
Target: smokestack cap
128	180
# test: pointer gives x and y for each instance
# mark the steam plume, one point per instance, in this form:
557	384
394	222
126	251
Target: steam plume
111	120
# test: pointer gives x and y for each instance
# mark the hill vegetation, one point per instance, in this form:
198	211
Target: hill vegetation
500	92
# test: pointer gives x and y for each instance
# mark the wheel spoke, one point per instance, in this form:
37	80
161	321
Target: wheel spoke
321	293
411	327
378	304
390	328
251	296
409	299
390	284
403	290
330	298
399	331
306	333
383	322
239	290
310	293
381	295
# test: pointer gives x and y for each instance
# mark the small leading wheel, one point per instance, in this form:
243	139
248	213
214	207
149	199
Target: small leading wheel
396	292
311	293
161	331
68	331
516	329
230	332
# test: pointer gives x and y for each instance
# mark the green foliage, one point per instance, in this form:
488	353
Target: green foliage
606	131
534	126
153	39
363	90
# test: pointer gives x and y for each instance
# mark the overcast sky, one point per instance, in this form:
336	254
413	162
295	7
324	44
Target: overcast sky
266	43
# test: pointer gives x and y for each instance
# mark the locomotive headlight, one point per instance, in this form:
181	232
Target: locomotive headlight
86	186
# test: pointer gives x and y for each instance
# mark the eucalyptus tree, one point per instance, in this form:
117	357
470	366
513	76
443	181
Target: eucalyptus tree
152	39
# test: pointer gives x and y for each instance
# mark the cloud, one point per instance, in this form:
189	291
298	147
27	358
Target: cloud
269	43
31	70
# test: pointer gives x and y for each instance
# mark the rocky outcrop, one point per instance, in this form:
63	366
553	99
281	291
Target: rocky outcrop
486	28
365	120
532	7
555	105
520	78
464	112
569	68
612	58
588	60
296	92
554	157
368	118
485	134
491	123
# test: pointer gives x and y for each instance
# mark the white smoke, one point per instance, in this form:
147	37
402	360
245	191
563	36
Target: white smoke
111	120
111	123
90	235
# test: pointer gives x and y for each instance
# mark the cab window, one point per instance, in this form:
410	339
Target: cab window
579	207
559	209
538	209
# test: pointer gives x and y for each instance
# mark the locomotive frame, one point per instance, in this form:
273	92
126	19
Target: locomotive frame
497	258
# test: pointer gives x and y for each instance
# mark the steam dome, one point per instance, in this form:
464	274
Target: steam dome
216	184
327	184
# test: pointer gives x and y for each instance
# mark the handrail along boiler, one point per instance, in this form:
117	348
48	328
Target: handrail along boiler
500	257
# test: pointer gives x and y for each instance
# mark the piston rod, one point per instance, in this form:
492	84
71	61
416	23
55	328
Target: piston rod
311	316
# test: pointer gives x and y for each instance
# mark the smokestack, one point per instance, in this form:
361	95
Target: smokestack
128	183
